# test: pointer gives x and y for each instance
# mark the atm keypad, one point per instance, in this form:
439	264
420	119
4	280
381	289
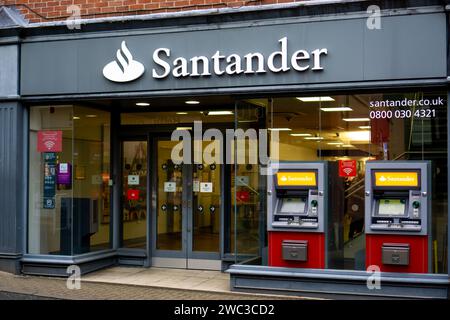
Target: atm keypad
398	224
296	221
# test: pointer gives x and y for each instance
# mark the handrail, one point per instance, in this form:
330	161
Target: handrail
350	194
417	152
355	185
354	238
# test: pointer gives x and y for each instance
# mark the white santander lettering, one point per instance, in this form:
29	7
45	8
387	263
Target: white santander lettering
234	64
181	68
249	63
161	63
299	55
316	53
283	57
195	62
216	60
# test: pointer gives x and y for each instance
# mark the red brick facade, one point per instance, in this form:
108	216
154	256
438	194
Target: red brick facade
54	10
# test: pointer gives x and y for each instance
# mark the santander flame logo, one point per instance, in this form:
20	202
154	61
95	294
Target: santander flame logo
125	69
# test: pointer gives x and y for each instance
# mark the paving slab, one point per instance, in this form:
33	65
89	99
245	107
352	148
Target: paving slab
204	280
34	287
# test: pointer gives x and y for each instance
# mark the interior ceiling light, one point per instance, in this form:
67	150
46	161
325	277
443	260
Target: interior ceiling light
364	127
336	109
315	99
192	102
280	129
184	128
91	116
76	118
335	143
356	119
301	134
314	138
355	135
220	113
181	113
142	104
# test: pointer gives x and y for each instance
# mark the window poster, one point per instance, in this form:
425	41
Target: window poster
49	141
49	180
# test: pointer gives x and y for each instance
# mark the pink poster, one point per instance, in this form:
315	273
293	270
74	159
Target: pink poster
49	141
347	168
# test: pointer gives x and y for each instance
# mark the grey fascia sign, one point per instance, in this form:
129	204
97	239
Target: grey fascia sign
235	56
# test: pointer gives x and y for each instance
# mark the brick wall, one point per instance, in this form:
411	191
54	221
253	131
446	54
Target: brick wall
54	10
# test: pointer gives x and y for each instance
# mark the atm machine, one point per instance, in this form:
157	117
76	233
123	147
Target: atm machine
296	214
397	216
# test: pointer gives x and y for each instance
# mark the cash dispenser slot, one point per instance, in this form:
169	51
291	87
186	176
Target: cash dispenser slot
295	250
395	254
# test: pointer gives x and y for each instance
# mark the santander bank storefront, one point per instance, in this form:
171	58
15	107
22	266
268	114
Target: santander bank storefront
153	143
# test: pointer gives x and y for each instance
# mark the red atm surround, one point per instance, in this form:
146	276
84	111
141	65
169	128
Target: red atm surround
418	256
396	180
316	249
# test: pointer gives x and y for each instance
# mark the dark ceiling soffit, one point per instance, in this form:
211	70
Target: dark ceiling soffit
251	92
223	17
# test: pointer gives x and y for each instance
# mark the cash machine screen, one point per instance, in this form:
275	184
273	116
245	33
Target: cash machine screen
391	207
293	205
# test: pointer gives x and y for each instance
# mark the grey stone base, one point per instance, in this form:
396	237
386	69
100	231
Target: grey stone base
336	283
58	268
10	263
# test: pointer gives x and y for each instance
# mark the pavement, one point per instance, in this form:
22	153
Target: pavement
18	296
127	283
199	280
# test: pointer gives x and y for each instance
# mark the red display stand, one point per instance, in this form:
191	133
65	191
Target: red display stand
316	249
418	257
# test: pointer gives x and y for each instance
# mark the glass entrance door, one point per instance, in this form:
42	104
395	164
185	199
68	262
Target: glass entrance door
187	211
134	194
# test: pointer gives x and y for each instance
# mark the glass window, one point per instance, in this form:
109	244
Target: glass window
69	199
134	194
247	219
358	128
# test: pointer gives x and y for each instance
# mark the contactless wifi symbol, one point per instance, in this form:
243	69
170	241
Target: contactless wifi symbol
49	144
347	171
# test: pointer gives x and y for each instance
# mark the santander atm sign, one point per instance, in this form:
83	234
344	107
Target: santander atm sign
165	65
